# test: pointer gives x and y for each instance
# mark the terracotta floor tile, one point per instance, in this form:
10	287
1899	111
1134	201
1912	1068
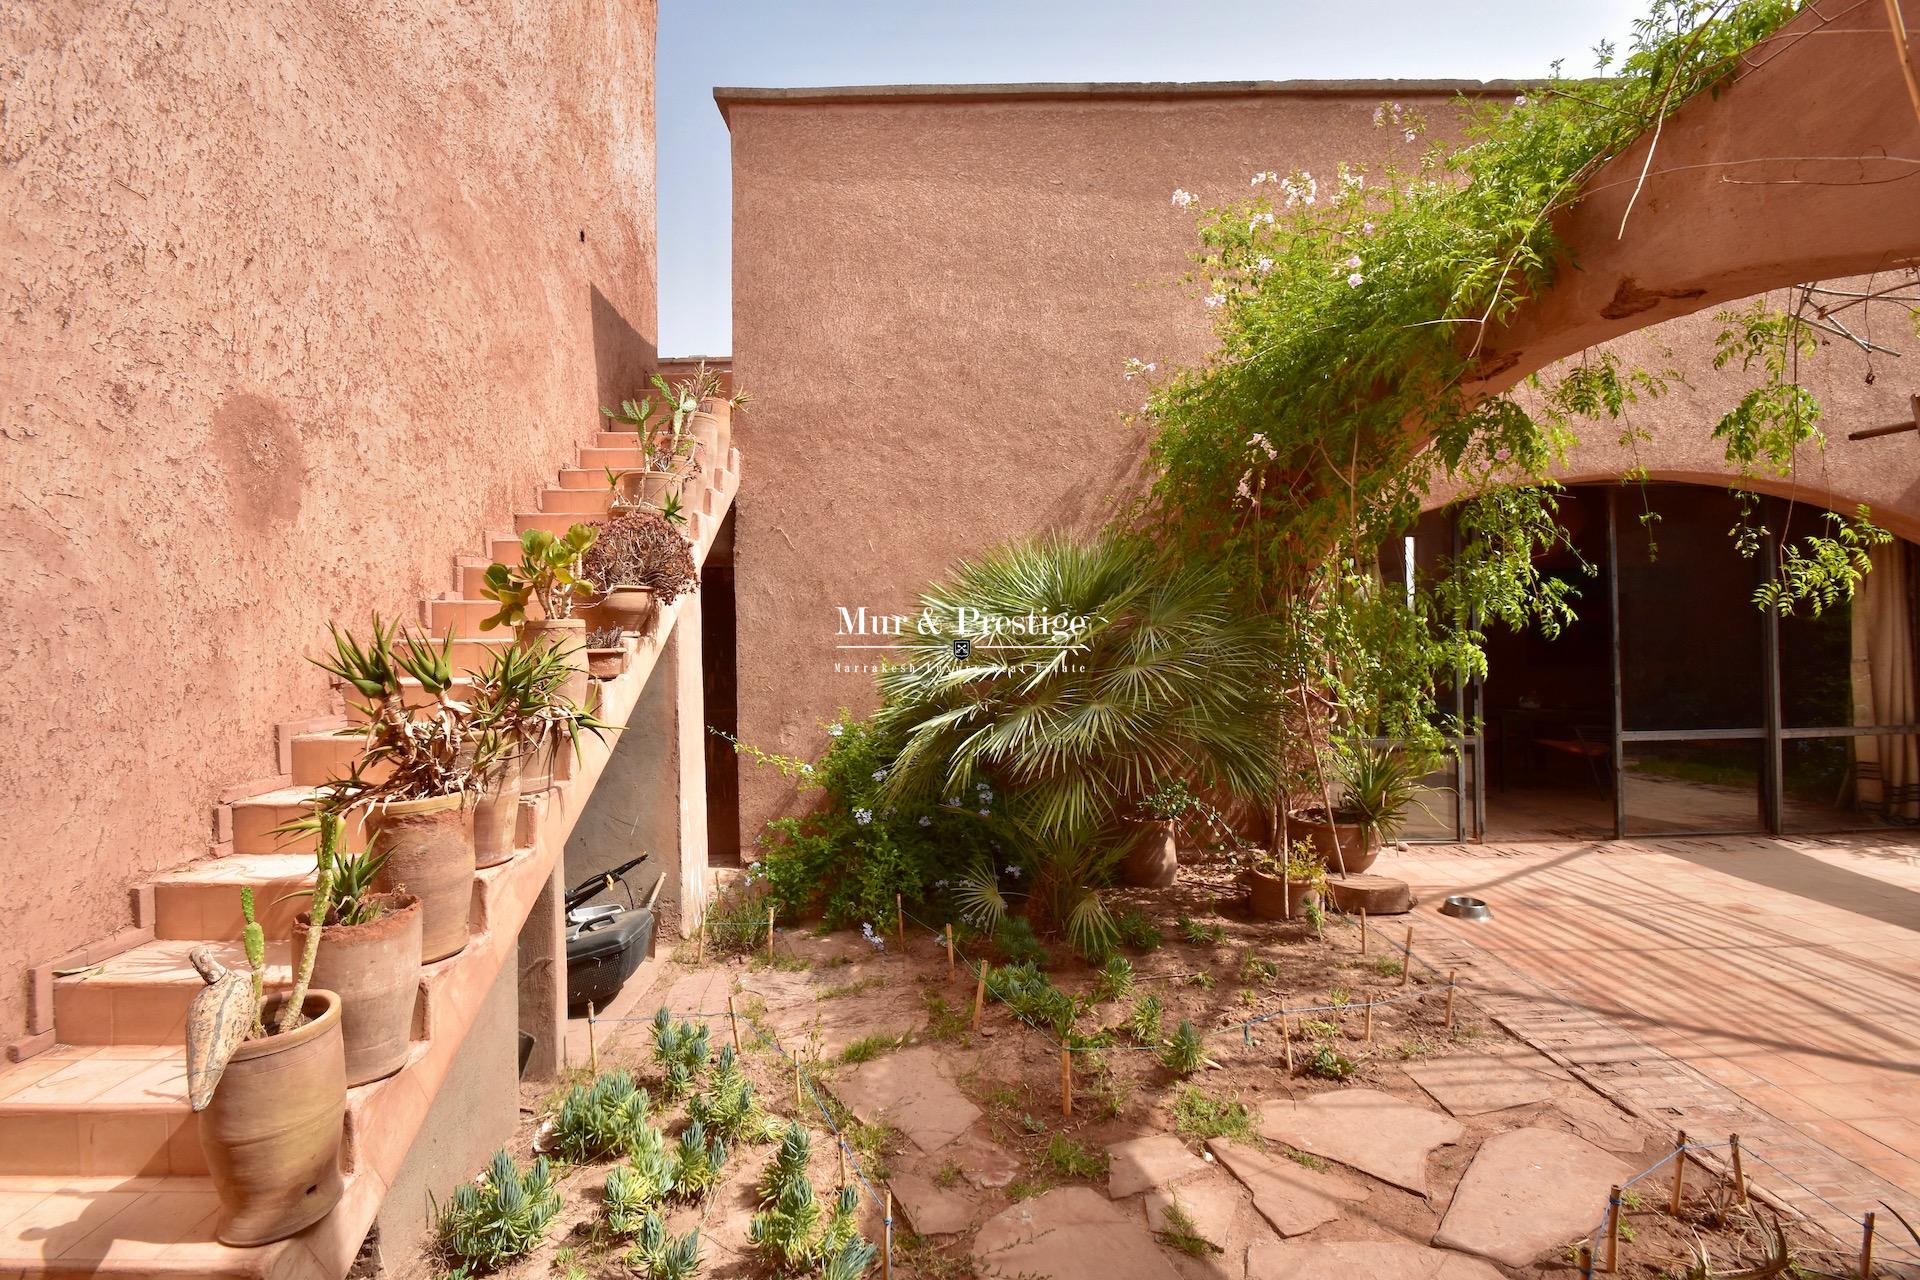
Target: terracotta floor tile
146	1228
60	1222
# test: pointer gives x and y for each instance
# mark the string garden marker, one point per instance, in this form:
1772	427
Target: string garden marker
1450	988
593	1052
733	1021
1739	1170
769	935
1866	1246
1066	1081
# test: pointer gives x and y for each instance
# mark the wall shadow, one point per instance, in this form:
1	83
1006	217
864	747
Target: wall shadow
623	357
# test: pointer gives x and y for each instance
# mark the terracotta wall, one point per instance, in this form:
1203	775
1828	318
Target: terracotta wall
934	293
300	298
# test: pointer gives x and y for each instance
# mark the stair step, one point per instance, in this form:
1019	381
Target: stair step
317	757
131	1228
98	1110
555	524
593	459
256	817
202	901
616	440
582	478
463	616
472	653
141	996
592	502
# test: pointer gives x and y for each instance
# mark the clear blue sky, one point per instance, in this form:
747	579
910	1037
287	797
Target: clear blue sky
785	43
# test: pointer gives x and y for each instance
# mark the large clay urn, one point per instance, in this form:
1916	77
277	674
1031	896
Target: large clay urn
496	812
429	848
706	429
375	970
632	607
721	411
1348	847
271	1134
1153	861
569	636
1277	898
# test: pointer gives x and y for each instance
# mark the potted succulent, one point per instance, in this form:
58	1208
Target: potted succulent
418	815
267	1076
1376	784
548	577
640	563
1153	860
1281	890
369	955
606	653
520	699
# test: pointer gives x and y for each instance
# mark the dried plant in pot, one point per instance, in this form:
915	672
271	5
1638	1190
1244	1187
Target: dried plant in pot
429	760
640	563
267	1075
1281	890
546	580
369	956
606	653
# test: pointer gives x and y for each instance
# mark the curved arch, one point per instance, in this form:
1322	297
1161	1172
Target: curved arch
1805	167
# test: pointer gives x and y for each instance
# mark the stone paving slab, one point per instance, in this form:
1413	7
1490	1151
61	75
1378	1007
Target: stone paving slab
1473	1084
1363	1129
984	1162
1138	1164
1071	1233
1597	1120
1362	1260
1529	1191
932	1210
1292	1198
911	1091
1211	1202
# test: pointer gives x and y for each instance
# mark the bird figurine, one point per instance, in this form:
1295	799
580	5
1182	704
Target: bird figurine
217	1021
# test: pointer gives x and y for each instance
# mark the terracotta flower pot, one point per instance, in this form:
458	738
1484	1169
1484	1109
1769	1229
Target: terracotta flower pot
536	766
607	664
1276	898
722	412
632	607
496	812
1154	860
1344	846
375	970
569	636
429	848
706	429
272	1132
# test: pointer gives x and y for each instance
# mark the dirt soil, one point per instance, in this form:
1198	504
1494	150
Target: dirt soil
837	1004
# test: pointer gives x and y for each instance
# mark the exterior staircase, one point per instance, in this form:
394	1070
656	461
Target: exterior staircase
101	1171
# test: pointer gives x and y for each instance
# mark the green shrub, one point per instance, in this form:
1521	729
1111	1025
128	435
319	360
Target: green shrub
1075	1160
727	1107
698	1162
681	1051
791	1233
599	1120
1015	941
640	1184
659	1255
1143	1023
1184	1052
1030	994
503	1215
1200	1115
1329	1063
1115	981
1201	935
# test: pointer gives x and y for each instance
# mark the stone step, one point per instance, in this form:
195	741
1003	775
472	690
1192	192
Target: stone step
593	459
472	653
97	1110
583	478
616	440
592	502
556	524
256	818
202	901
139	1228
317	757
464	617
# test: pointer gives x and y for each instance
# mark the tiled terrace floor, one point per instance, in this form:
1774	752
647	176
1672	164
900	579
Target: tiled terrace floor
1784	972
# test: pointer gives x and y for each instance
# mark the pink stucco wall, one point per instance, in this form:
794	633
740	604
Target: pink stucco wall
300	298
934	293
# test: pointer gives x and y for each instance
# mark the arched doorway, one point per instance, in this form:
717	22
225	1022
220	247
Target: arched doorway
1674	705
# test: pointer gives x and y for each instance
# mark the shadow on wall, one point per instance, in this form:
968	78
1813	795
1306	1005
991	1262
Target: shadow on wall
622	355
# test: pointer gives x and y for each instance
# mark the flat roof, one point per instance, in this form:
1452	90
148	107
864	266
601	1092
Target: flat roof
727	97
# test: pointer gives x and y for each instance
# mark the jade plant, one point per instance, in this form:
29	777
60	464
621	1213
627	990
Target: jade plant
233	1007
547	576
502	1215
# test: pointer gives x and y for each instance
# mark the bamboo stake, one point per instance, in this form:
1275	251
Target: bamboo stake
1613	1230
1066	1081
593	1052
840	1144
799	1106
1679	1174
1406	961
700	942
1367	1035
769	935
950	966
733	1020
1866	1247
1739	1171
900	923
886	1266
1363	931
1586	1262
979	997
1450	990
1286	1041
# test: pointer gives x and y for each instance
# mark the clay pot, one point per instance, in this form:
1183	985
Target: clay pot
1154	860
1276	898
1344	846
607	664
375	970
632	607
569	636
536	766
706	429
721	411
272	1132
496	812
429	848
646	489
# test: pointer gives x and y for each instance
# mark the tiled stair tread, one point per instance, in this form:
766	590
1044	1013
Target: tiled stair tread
242	868
132	1226
97	1077
285	797
164	960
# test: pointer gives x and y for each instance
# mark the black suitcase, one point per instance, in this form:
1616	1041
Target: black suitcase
603	955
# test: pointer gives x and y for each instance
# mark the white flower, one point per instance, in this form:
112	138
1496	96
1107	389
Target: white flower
986	813
1215	301
1245	494
879	775
1183	199
1408	134
1014	872
1263	265
1259	218
939	884
1355	280
1379	115
1135	367
1520	101
1366	228
863	816
925	821
1353	260
835	730
953	802
1259	441
807	769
